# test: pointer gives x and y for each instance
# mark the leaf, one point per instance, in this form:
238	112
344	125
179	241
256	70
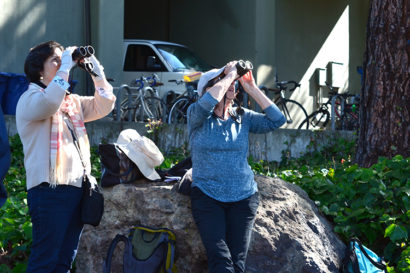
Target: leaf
10	221
20	268
356	213
4	268
396	233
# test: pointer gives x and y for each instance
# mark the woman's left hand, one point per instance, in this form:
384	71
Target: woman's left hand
98	68
247	81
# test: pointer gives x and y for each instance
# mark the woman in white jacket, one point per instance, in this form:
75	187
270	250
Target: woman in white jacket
49	120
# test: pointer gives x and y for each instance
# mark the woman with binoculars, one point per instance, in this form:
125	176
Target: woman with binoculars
50	122
224	197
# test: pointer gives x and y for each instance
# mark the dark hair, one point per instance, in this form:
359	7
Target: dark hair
209	84
35	59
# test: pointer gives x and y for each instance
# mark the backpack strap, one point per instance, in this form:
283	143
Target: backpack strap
127	172
375	263
167	237
110	252
169	262
169	266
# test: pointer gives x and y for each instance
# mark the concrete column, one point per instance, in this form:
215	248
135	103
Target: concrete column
265	42
107	26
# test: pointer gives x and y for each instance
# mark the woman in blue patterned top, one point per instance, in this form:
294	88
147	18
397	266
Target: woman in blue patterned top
224	193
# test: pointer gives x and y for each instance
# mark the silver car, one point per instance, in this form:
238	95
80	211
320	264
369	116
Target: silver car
169	61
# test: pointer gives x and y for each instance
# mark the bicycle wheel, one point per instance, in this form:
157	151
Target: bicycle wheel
339	112
350	120
293	112
317	120
126	110
153	108
178	112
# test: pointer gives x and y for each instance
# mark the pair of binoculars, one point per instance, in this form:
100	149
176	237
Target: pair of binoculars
243	67
79	56
82	52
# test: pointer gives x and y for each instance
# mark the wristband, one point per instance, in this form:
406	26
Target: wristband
61	82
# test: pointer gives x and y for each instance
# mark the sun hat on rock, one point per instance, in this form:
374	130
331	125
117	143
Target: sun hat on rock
142	151
206	77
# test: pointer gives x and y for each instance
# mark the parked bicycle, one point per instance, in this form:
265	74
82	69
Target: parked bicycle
142	101
339	109
178	112
290	108
346	109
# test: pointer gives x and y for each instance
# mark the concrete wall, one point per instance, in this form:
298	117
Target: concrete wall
107	35
291	37
311	35
219	30
267	147
26	23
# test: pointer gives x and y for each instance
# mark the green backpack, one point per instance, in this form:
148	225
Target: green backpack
147	250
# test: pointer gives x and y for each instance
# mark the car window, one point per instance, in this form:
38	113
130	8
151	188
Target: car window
142	58
181	58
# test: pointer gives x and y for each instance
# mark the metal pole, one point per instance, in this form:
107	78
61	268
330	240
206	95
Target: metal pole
333	113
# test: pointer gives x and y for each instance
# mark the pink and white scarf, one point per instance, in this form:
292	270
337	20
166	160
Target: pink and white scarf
57	160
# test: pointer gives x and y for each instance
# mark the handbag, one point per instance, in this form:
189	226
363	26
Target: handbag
360	259
184	185
92	201
116	167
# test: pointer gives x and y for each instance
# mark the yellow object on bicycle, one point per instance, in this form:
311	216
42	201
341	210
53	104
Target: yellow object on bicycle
192	77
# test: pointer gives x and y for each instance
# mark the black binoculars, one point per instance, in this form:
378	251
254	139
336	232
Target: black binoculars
82	52
243	67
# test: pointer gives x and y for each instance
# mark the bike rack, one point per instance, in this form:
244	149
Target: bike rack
121	89
333	113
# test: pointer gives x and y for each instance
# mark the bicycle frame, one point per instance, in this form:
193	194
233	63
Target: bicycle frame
283	103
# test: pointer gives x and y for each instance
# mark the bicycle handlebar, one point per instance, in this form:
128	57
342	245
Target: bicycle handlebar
152	81
275	90
283	85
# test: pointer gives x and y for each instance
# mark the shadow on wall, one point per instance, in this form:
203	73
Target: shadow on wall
318	39
22	19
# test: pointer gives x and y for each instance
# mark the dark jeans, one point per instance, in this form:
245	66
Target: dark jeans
57	227
225	229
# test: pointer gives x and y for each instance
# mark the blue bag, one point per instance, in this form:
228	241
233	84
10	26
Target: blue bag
360	259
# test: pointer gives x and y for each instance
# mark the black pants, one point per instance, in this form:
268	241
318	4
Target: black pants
57	227
225	229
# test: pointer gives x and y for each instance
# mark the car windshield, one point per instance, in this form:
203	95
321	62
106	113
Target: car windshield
181	58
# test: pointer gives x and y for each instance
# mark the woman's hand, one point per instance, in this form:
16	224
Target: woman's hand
98	68
231	68
248	82
67	60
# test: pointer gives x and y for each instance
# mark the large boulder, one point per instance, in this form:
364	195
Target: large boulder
290	235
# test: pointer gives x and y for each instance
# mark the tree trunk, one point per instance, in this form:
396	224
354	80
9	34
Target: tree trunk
385	96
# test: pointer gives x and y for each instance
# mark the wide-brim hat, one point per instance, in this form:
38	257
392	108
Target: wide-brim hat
206	77
142	151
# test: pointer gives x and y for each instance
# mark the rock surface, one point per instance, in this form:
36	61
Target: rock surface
289	236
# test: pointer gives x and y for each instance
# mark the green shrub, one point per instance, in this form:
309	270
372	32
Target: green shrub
15	224
369	203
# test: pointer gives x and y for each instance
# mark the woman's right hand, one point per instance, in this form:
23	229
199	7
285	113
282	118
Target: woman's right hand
231	68
67	60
